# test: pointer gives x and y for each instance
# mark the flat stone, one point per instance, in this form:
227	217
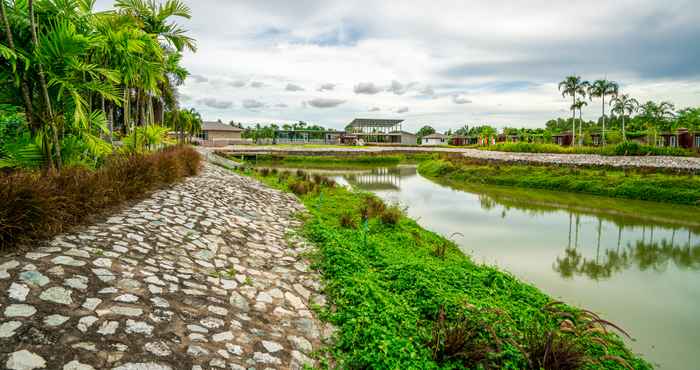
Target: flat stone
108	290
264	297
193	350
143	366
139	327
86	346
223	336
86	322
91	303
103	262
294	301
108	327
67	261
25	360
19	310
58	295
9	265
212	322
126	311
271	346
158	348
126	298
197	329
75	365
160	302
34	277
104	275
266	358
55	320
18	292
300	343
7	329
218	310
77	282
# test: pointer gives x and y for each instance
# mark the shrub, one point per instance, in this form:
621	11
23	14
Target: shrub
347	221
553	350
300	187
371	207
460	340
38	206
265	172
391	215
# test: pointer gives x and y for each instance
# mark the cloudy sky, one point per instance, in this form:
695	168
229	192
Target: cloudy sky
443	63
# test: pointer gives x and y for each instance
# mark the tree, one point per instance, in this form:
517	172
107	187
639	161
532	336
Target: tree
657	116
573	86
425	131
624	105
601	89
578	105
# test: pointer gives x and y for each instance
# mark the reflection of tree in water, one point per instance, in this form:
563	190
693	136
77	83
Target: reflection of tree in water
643	254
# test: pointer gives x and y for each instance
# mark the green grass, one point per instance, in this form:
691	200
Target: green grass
629	148
324	161
388	284
630	184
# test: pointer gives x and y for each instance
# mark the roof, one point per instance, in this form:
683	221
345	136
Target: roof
435	136
367	122
218	126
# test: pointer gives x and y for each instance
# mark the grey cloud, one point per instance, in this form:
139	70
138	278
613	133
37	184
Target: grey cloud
459	99
368	88
374	109
238	83
253	104
216	104
397	88
257	84
326	87
198	78
402	110
325	103
293	87
281	105
427	90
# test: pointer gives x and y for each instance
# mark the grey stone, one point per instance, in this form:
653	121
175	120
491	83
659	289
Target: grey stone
223	336
25	360
108	327
91	303
18	292
34	277
75	365
58	295
55	320
86	322
19	310
143	366
67	261
300	343
126	298
271	346
7	329
159	348
139	327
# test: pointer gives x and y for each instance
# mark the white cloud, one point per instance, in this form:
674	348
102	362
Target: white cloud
293	87
460	99
326	87
215	103
374	109
253	104
402	110
368	88
325	103
257	84
238	83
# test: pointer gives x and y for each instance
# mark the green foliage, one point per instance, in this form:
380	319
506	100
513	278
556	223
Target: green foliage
625	148
631	184
146	137
398	306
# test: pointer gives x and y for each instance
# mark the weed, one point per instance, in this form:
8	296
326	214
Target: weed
265	172
248	281
391	215
347	221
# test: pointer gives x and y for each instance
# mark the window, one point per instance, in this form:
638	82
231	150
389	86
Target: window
672	141
697	140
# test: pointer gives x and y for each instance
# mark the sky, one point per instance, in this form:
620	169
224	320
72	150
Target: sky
439	63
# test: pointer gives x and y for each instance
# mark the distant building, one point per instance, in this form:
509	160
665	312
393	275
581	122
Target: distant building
434	139
219	134
307	137
563	138
681	138
377	131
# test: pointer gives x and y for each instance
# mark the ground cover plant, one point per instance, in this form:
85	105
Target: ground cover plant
38	205
359	159
403	297
626	148
638	184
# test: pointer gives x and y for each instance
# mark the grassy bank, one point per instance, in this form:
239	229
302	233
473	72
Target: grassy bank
37	206
629	148
403	297
630	184
359	160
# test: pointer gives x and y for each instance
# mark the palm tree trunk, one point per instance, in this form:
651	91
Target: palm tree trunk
573	120
110	121
24	87
624	135
603	136
44	87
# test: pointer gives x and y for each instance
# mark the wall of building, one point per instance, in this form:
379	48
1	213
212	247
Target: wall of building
222	135
431	141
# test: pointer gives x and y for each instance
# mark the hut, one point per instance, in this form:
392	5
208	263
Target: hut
434	139
563	138
596	138
459	140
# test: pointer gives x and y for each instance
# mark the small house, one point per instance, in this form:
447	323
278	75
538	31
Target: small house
459	140
219	134
434	139
596	138
563	138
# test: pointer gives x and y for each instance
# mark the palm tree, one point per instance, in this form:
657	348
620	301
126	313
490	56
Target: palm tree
579	104
624	105
573	86
601	89
657	116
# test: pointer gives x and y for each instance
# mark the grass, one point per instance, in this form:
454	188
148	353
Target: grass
37	206
358	160
631	184
397	304
622	149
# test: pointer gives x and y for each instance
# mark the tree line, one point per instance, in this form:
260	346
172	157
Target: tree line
72	78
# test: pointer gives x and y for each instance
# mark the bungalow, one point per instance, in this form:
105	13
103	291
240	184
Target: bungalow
459	140
563	138
434	139
503	138
682	138
219	134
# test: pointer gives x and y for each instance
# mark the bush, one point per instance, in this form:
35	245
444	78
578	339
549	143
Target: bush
391	215
265	172
627	148
347	221
38	206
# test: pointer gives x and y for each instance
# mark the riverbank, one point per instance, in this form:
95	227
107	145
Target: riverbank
630	184
681	164
428	305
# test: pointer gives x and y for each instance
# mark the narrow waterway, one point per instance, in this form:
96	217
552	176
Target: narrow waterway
635	263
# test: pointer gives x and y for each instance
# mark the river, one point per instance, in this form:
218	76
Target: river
635	263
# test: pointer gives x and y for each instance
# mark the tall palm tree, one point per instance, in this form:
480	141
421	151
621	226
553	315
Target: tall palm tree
657	116
624	105
573	86
578	105
601	89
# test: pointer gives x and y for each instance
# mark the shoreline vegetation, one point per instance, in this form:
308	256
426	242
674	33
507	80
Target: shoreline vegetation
404	297
37	206
622	149
638	184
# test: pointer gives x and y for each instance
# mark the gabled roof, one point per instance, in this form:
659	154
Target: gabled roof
436	135
368	122
218	126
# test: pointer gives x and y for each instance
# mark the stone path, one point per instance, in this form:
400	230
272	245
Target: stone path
203	275
663	162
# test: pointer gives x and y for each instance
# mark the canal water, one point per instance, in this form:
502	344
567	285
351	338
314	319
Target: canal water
635	263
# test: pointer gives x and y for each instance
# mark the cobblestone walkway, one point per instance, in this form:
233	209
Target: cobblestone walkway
199	276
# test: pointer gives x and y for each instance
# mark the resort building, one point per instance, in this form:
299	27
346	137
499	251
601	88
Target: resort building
377	131
564	138
307	137
434	139
681	138
219	134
